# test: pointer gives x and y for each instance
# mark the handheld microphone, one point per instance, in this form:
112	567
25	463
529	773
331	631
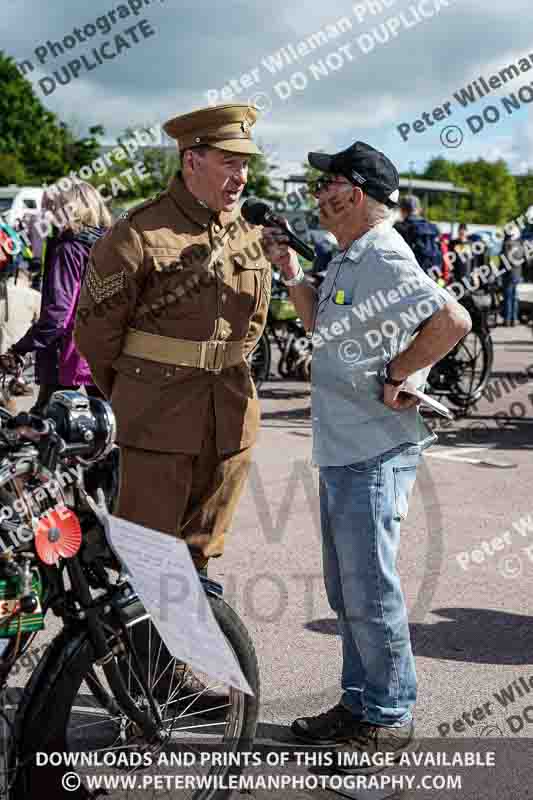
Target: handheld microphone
256	212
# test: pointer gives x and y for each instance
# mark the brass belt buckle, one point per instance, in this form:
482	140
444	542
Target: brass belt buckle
215	363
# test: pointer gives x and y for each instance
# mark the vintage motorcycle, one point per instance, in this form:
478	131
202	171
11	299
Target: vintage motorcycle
106	682
285	329
462	375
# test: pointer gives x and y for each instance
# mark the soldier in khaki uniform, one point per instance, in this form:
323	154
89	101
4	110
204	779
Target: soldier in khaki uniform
176	296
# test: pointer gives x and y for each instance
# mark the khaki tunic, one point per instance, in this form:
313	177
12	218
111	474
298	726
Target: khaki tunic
151	271
153	253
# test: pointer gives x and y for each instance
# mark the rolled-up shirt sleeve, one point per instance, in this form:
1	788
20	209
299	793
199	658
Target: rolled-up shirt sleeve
65	275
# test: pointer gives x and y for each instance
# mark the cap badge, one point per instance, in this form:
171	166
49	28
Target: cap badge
248	120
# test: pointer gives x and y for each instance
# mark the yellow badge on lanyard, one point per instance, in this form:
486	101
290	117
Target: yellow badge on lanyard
339	297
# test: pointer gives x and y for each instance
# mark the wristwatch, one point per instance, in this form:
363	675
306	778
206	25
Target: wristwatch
385	376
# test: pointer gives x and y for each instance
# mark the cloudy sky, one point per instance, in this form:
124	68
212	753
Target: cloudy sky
376	65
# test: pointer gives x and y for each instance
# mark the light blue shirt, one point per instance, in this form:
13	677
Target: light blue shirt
370	305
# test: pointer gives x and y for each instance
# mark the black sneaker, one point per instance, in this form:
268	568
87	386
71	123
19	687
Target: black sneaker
336	725
370	739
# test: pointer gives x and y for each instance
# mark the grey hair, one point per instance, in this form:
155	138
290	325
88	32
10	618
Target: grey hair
74	207
376	212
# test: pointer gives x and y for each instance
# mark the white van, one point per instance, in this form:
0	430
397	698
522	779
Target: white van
16	201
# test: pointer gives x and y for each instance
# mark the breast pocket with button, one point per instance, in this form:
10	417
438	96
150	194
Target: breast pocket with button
176	287
251	286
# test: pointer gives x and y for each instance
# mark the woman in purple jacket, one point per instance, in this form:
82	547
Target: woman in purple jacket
77	218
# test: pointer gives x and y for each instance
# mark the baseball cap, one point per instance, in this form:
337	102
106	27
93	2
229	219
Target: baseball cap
410	203
365	167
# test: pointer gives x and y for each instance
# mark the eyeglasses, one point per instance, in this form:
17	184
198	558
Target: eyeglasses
325	183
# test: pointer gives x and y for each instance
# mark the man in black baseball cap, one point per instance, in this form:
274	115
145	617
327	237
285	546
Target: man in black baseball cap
378	324
364	167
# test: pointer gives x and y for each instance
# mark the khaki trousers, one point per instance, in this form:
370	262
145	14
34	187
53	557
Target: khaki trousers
193	497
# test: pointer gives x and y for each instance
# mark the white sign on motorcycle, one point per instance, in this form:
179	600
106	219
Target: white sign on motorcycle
165	578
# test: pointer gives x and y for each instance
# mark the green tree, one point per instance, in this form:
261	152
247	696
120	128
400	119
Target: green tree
161	163
259	181
35	137
11	171
439	169
524	191
493	195
159	166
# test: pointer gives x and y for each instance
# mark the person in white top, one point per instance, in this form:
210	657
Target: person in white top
19	308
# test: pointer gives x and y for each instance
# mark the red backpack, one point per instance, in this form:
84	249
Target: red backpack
5	249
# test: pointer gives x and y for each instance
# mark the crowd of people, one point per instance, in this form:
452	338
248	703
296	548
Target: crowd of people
40	279
457	257
444	256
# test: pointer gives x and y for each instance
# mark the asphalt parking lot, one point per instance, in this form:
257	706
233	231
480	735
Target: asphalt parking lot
466	580
466	564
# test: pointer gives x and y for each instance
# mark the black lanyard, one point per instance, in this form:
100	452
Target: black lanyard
326	300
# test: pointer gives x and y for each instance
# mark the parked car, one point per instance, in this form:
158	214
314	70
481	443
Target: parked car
527	238
524	291
17	201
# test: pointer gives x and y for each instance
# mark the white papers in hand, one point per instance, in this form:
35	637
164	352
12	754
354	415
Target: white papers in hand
428	401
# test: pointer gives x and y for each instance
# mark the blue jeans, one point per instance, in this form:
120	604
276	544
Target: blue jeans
361	507
510	299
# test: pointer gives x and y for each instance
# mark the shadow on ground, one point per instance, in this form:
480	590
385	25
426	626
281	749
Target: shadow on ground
473	635
501	432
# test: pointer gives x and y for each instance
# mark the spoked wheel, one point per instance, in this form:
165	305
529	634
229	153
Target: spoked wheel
297	362
259	360
80	715
470	367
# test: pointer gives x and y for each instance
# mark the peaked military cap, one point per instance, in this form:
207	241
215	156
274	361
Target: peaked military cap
227	127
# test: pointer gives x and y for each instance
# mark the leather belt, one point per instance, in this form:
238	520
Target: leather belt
212	356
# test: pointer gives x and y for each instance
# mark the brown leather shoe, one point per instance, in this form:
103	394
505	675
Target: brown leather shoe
185	689
20	388
334	726
369	740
